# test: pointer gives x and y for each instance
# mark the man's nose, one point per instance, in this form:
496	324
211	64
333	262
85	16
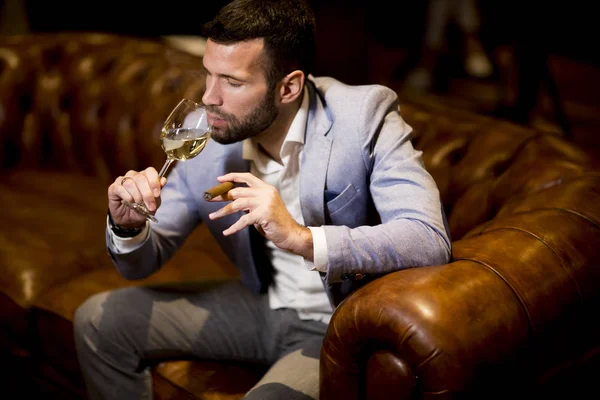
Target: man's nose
211	94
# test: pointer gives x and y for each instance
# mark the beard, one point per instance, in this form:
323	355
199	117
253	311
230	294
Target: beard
240	129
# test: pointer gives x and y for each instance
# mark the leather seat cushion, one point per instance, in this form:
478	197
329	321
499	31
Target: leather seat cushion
45	213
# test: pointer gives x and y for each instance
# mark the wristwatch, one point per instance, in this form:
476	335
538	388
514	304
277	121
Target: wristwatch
121	231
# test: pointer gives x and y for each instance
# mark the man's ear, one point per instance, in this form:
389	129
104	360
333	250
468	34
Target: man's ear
290	87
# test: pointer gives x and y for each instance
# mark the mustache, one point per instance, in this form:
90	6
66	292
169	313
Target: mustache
215	110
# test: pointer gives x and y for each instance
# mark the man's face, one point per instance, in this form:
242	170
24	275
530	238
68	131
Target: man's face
237	97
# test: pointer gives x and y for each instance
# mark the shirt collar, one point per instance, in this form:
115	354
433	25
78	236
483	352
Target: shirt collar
298	127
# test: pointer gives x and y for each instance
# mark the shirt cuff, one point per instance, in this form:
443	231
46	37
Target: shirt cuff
319	262
126	245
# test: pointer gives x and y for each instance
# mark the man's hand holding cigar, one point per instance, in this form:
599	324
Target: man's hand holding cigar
263	208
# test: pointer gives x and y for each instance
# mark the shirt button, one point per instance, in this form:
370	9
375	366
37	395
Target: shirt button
345	277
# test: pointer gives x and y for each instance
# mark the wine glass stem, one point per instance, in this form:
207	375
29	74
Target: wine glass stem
165	167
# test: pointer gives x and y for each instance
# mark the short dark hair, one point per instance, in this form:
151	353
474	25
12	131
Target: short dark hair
287	27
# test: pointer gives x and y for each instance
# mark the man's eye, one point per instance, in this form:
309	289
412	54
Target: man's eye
234	84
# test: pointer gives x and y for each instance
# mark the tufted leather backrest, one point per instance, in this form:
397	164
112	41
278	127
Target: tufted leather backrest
480	164
92	103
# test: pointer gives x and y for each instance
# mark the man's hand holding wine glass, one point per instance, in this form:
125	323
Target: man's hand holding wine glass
135	187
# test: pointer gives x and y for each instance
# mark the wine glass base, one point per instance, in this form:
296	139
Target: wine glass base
141	209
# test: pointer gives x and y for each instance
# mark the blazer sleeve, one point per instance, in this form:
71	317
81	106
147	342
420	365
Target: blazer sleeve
177	217
412	230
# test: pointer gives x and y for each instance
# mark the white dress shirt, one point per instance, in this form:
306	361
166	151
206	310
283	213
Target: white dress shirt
297	283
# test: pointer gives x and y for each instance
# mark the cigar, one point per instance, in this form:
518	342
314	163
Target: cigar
217	190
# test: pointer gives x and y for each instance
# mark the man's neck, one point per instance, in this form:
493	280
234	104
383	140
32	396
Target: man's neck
271	140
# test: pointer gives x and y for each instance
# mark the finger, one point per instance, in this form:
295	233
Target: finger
112	189
237	193
223	197
241	177
244	221
145	190
128	190
121	214
116	192
153	181
244	192
233	207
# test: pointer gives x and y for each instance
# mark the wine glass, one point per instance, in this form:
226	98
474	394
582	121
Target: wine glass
184	135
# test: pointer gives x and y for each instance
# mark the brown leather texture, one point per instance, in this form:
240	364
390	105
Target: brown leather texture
515	309
77	111
517	304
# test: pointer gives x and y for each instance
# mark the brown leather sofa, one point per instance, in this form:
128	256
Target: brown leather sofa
515	310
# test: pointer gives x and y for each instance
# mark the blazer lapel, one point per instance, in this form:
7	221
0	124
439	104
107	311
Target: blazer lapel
315	159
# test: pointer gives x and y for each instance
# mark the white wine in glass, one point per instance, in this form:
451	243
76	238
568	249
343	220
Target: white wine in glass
183	136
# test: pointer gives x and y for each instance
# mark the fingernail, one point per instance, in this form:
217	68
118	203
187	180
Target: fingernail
156	192
211	215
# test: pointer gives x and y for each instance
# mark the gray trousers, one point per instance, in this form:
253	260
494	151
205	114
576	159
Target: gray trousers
120	334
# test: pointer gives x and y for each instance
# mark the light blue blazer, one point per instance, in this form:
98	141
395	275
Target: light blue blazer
360	178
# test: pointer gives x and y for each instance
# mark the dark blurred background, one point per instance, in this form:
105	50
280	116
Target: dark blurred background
544	57
568	29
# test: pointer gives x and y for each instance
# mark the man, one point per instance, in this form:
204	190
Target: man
325	172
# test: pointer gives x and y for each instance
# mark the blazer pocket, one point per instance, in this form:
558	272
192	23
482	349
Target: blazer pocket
341	200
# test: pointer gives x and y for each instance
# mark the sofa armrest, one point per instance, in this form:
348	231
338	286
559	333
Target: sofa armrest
433	330
517	307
